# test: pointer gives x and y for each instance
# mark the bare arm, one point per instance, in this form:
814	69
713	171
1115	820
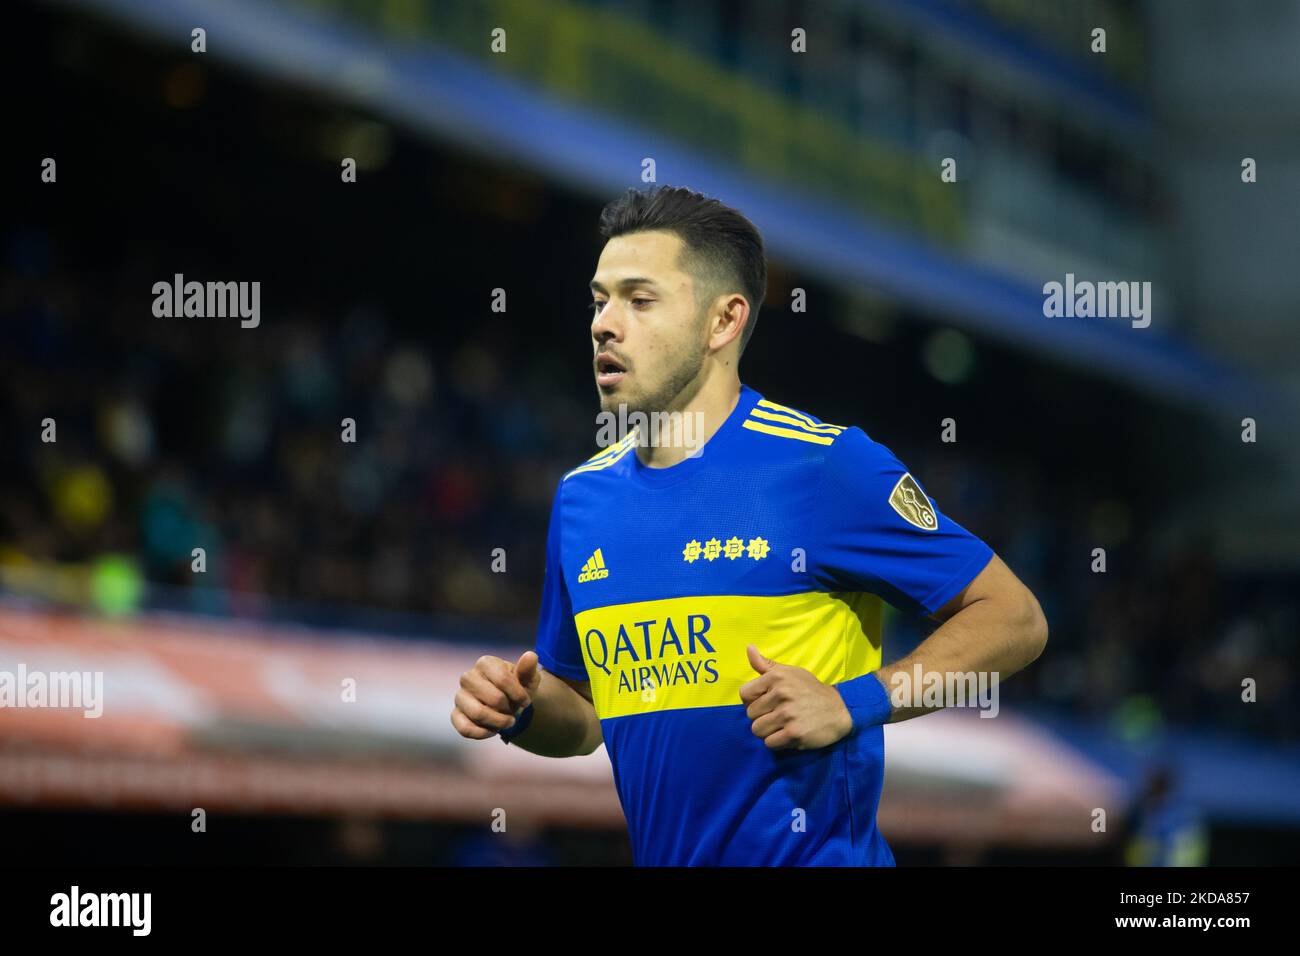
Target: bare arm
993	625
564	721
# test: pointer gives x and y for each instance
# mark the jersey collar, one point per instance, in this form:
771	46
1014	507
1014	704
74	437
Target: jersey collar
713	451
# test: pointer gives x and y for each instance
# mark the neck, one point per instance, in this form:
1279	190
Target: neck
702	412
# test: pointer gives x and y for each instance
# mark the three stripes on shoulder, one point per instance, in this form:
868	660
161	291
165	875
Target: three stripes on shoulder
773	419
607	456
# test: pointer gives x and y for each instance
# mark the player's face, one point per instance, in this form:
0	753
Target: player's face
648	334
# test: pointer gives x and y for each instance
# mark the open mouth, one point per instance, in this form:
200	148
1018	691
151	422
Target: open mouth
609	371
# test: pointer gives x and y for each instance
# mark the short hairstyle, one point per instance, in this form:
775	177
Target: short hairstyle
720	245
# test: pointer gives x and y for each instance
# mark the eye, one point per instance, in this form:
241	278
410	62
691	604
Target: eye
595	307
640	301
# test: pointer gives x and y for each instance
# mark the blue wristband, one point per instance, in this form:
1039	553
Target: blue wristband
867	700
522	720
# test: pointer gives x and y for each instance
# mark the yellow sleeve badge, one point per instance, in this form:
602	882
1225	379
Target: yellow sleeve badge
913	506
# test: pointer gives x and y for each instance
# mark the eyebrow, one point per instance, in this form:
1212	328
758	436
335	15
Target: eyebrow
624	283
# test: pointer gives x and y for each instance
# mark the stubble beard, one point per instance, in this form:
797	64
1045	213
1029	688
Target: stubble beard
669	396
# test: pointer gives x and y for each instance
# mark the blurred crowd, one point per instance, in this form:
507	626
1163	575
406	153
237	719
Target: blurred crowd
172	436
175	436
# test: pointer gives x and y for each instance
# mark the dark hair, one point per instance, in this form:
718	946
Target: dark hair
722	246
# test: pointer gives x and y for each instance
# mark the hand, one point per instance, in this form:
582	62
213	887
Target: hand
791	709
492	693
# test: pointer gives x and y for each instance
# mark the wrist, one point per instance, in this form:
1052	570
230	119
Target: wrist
522	720
867	701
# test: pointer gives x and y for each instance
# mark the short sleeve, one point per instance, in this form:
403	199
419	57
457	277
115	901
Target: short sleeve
880	532
557	636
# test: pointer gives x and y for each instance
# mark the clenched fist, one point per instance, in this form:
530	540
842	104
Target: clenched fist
492	693
790	708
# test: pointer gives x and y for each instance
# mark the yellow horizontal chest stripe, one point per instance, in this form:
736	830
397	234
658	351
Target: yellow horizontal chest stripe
685	652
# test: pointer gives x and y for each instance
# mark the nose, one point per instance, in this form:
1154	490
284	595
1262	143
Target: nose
605	325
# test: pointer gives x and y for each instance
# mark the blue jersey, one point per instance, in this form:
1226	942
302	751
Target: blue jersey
784	532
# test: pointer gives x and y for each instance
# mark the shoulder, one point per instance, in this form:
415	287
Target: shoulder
845	454
604	459
789	428
778	421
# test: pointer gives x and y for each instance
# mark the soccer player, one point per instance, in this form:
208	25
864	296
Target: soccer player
711	609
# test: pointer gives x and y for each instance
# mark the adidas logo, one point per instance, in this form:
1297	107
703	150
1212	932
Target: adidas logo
594	569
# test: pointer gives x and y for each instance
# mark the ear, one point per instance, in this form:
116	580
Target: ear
728	317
